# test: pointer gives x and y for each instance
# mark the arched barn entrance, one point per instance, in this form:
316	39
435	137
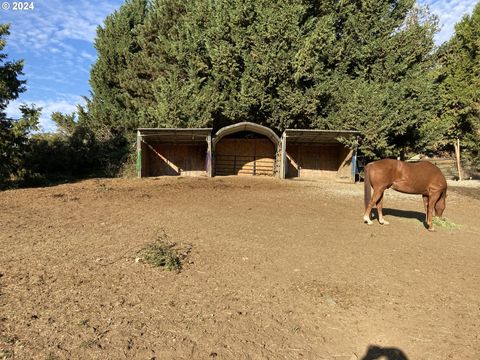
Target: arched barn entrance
245	149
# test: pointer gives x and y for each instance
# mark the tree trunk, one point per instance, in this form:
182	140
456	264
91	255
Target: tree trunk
457	159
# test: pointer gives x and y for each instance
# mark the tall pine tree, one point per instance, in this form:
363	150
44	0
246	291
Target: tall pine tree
459	79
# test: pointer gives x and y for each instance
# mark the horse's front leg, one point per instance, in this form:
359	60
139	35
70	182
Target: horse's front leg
425	205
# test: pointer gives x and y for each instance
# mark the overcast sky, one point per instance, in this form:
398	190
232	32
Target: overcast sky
55	39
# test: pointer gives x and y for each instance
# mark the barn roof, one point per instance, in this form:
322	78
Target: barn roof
174	134
246	126
194	135
317	136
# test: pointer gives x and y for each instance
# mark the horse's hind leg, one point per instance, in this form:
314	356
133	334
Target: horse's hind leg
377	194
440	205
425	205
381	220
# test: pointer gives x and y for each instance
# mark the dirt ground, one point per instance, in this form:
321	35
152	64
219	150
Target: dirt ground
277	270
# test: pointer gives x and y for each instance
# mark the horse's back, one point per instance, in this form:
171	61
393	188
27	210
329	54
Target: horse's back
420	177
429	173
382	171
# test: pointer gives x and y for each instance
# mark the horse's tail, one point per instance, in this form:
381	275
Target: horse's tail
367	192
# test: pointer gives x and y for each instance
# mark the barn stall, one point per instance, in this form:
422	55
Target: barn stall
174	152
317	154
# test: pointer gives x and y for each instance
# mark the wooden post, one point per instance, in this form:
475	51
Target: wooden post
353	172
283	156
457	158
209	156
139	154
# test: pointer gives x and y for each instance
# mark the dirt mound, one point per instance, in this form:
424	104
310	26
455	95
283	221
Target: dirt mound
276	270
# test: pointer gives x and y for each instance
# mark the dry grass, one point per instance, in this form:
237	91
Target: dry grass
161	253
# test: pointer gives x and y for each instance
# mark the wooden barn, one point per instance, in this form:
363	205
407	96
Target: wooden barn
245	149
317	154
174	152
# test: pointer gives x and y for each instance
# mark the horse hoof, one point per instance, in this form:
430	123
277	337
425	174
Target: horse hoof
384	222
431	229
368	222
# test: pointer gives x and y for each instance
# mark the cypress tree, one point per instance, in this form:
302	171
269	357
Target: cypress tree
113	109
459	79
363	65
371	65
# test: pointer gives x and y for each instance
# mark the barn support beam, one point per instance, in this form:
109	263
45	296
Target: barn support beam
209	156
283	158
354	165
139	154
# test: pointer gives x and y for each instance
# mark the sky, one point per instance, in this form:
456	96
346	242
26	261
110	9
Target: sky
55	40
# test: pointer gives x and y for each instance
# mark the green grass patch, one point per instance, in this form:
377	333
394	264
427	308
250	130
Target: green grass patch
445	223
163	253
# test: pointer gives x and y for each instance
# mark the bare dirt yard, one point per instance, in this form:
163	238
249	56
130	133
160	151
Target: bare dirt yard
275	270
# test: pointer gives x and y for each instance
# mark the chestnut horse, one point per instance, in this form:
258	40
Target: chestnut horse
411	178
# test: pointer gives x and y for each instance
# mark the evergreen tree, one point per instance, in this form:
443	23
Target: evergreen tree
13	133
156	62
364	65
112	110
459	78
66	123
371	62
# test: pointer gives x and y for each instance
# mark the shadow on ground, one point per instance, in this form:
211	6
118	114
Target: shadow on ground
406	214
385	353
